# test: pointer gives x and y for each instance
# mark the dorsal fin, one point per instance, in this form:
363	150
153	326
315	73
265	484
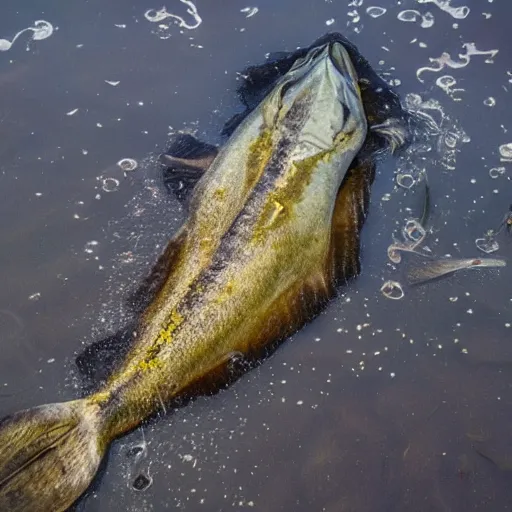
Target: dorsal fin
185	161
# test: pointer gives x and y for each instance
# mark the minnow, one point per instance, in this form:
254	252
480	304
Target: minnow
435	269
273	228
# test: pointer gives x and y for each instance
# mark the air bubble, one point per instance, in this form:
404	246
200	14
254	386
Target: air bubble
411	16
142	482
406	181
394	252
110	184
496	172
414	231
451	139
392	290
490	102
127	164
487	244
428	20
408	15
90	246
136	451
249	11
506	152
375	11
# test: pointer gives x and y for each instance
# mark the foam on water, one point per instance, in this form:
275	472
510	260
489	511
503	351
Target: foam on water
458	13
438	126
412	16
445	60
249	11
156	16
41	30
506	152
447	83
375	11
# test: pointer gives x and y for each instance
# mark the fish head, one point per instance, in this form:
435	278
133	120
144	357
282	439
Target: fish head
317	104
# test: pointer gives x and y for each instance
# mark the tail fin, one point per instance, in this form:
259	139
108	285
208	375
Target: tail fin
49	456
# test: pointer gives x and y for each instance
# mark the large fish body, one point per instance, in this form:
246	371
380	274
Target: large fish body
273	226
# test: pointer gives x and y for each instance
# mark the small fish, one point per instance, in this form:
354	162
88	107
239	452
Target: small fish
439	268
273	228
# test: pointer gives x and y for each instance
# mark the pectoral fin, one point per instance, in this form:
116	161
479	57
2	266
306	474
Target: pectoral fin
185	161
349	214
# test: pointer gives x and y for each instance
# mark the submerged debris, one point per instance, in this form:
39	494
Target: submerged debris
439	268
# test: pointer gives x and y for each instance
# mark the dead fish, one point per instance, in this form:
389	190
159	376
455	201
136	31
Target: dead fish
438	268
273	227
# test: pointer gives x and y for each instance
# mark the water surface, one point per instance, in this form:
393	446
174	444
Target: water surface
377	405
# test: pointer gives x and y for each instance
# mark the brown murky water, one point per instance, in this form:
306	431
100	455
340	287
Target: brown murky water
377	405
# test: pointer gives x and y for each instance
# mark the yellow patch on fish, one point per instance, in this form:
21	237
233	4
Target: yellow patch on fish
260	152
226	292
164	337
280	203
220	193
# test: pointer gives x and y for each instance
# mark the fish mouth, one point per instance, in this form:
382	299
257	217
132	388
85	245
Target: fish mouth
339	58
332	55
317	104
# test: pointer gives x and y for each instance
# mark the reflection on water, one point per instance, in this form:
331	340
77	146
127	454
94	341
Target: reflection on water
376	405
